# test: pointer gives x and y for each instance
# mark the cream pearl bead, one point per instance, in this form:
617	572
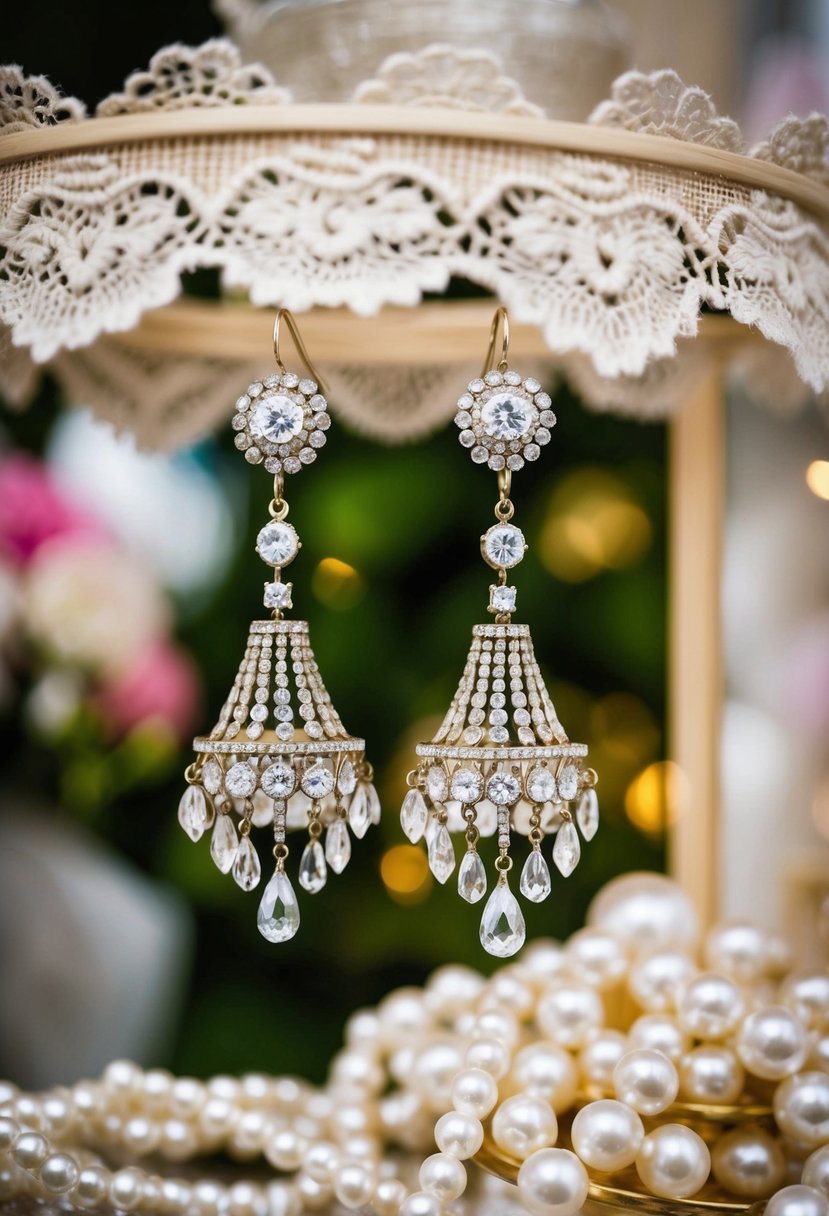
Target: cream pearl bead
121	1076
176	1196
496	1024
209	1198
126	1189
285	1149
282	1199
452	988
647	911
749	1163
553	1182
568	1013
801	1108
178	1140
353	1184
542	960
459	1135
8	1131
59	1173
816	1170
311	1194
444	1176
402	1014
30	1150
474	1092
797	1200
819	1055
362	1030
420	1203
600	1056
187	1097
660	1033
434	1070
711	1074
389	1195
216	1119
156	1086
656	981
772	1043
92	1186
646	1080
607	1135
140	1135
673	1161
321	1160
597	958
548	1072
738	950
710	1007
28	1112
58	1115
808	996
492	1055
245	1199
507	990
523	1124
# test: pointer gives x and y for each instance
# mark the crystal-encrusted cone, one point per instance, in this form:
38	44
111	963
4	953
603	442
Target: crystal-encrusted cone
501	758
279	758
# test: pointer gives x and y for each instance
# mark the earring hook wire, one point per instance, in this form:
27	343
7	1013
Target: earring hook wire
500	327
284	315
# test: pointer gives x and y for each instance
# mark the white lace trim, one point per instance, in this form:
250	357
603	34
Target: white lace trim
209	75
612	260
445	76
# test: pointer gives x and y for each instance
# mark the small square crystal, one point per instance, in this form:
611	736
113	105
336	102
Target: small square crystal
502	599
278	595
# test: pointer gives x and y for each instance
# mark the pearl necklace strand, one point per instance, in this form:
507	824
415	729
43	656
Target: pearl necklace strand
431	1065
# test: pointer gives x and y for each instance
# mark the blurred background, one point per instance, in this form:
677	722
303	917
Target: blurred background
127	582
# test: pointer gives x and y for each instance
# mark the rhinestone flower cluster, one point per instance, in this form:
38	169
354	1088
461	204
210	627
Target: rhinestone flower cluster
282	422
504	420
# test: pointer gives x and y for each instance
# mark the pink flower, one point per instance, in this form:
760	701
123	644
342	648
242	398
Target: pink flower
32	510
162	684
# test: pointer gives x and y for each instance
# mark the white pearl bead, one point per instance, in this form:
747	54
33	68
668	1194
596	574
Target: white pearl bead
797	1201
492	1055
156	1085
140	1136
656	981
402	1014
597	958
647	911
673	1162
285	1150
772	1043
216	1118
523	1124
321	1160
542	960
646	1080
808	997
459	1135
506	990
553	1182
58	1114
8	1132
178	1140
474	1092
496	1024
353	1184
453	988
568	1013
86	1099
92	1186
816	1170
600	1056
801	1108
607	1135
121	1076
209	1198
738	950
176	1196
421	1203
245	1199
547	1071
660	1033
819	1055
59	1173
389	1195
749	1163
225	1087
710	1007
312	1194
433	1073
30	1150
444	1176
711	1074
126	1190
187	1096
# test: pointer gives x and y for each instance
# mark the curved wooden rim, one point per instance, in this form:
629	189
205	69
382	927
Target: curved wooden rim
354	119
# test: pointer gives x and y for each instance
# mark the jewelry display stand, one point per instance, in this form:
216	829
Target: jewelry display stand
609	241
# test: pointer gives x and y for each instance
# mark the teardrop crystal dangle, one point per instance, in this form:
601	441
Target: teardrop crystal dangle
279	756
501	755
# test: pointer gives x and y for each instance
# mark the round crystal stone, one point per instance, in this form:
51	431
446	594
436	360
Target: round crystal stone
240	780
507	416
503	546
541	785
317	781
276	418
277	543
467	785
503	789
278	780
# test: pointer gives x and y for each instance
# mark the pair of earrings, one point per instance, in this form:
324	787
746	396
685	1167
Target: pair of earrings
500	763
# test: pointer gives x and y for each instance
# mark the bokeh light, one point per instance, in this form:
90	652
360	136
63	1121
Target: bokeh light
657	797
594	523
337	585
404	870
817	478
